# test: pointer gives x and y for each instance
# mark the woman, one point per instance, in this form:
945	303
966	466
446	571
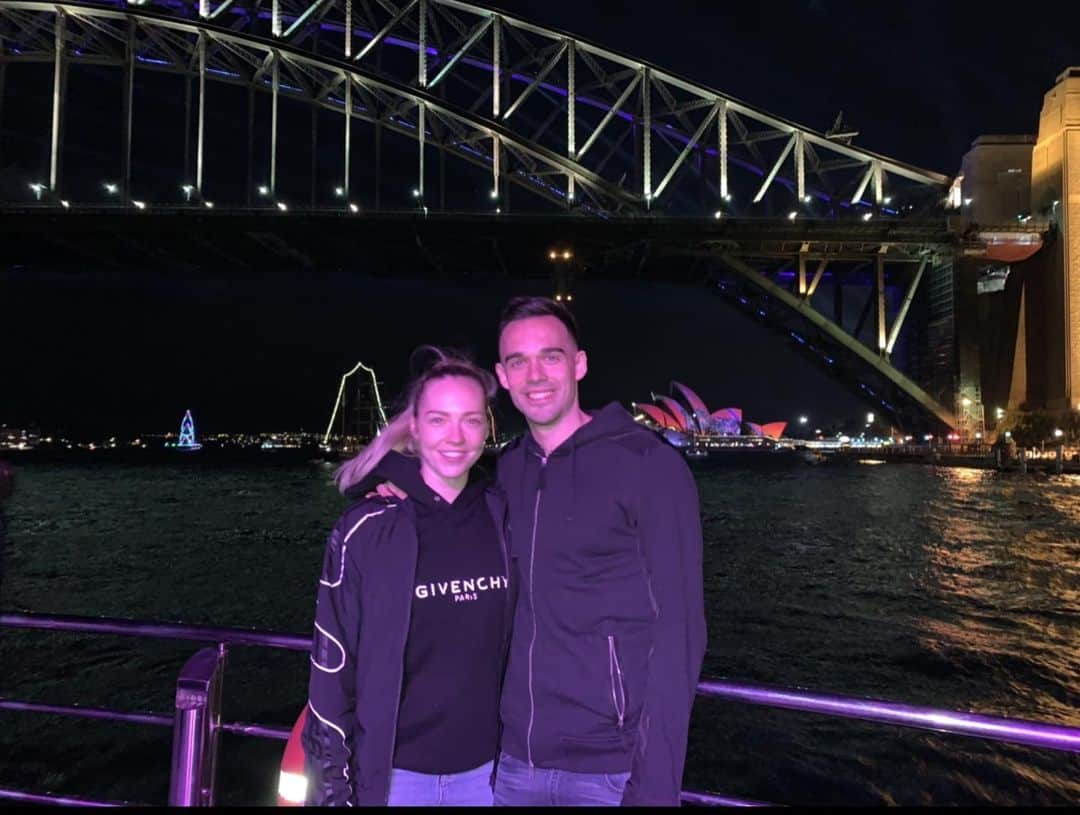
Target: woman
413	612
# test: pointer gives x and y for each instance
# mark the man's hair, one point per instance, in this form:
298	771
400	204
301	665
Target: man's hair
521	307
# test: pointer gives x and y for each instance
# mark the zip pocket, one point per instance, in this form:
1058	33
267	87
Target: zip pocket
618	693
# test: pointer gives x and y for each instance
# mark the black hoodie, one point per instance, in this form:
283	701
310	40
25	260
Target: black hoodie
359	652
609	629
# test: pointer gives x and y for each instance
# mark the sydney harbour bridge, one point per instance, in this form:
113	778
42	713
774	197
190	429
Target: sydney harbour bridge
445	137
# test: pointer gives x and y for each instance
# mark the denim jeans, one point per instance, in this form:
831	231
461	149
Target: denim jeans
516	784
470	788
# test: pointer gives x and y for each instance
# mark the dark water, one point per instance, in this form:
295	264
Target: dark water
946	587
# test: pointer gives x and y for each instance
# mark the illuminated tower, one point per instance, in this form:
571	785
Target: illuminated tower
1055	192
187	433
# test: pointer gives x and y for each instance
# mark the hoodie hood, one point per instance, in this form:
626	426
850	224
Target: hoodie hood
609	422
404	472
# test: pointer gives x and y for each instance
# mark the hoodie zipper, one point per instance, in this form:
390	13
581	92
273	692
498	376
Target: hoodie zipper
532	610
618	692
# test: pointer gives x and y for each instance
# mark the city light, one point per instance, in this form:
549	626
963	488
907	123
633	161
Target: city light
727	197
38	189
494	194
965	402
339	192
208	204
1058	433
498	210
803	420
65	204
887	200
806	199
416	192
552	255
110	188
867	216
718	215
282	207
1008	434
999	413
792	215
869	418
354	208
566	255
264	190
139	204
968	201
188	189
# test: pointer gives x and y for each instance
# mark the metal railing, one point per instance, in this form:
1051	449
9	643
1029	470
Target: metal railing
197	722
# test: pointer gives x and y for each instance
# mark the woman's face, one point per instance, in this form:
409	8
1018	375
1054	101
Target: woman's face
450	427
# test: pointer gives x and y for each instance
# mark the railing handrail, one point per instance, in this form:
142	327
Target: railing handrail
152	628
991	728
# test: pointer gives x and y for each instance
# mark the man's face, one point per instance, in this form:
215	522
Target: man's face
540	365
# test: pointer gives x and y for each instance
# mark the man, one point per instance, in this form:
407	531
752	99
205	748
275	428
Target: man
609	630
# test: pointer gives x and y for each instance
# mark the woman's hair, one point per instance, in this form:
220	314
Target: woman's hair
438	364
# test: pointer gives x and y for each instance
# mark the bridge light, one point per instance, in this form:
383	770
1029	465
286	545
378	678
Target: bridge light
498	210
806	199
139	204
928	437
718	215
494	194
65	204
208	204
552	255
965	402
558	298
353	208
727	196
339	191
869	418
38	189
569	298
264	190
282	207
415	192
803	420
1000	413
110	188
567	254
1008	434
1058	433
968	202
188	189
792	215
570	196
978	435
867	216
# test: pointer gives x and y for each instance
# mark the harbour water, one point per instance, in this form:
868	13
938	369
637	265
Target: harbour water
936	586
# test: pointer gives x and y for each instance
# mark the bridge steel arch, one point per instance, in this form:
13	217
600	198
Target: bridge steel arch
588	129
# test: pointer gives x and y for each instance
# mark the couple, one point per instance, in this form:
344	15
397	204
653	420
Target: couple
533	642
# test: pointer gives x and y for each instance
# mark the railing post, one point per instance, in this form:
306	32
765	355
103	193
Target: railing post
196	729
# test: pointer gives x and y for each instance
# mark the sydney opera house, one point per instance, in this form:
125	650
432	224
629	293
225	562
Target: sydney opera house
690	422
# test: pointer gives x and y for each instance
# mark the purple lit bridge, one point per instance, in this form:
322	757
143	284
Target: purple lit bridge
419	116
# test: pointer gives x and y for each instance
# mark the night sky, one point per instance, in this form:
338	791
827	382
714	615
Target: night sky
89	352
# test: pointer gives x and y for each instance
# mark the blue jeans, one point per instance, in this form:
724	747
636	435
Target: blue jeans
471	788
517	784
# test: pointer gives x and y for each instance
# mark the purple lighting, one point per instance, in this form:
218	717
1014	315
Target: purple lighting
1035	734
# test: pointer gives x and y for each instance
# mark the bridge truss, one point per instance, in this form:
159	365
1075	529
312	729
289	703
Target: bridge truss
582	129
